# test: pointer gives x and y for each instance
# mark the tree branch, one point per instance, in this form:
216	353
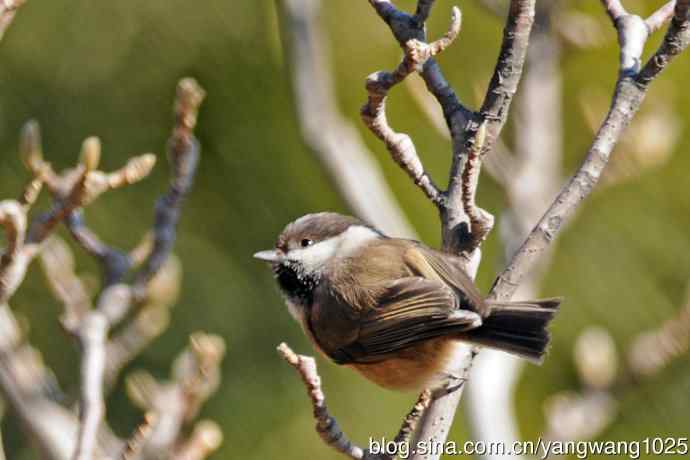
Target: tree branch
400	145
326	425
8	9
615	9
660	17
675	42
473	134
532	180
171	404
116	299
183	155
25	382
508	70
628	96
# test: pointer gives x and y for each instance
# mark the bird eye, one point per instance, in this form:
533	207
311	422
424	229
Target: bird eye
306	242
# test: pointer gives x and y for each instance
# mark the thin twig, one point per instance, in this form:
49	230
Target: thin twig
204	440
183	155
675	42
508	69
661	16
615	9
326	425
400	145
115	300
8	9
172	404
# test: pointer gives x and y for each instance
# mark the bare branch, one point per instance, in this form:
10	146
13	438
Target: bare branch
169	405
412	419
13	218
115	301
500	164
183	154
615	9
508	70
326	425
8	9
480	221
400	145
135	445
30	389
404	27
150	321
661	16
675	42
423	10
92	335
114	262
628	96
206	438
58	265
532	179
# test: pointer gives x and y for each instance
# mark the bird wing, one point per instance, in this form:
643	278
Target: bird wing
447	268
408	311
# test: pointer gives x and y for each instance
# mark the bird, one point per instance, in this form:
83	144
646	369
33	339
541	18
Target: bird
394	309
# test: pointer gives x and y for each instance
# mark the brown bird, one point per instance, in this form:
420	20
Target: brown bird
394	309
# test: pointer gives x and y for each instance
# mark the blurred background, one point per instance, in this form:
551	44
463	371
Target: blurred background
86	68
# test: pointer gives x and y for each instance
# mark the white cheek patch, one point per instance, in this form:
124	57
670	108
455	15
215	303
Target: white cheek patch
317	255
354	238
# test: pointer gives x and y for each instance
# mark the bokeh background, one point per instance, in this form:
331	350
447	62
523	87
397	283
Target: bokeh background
109	69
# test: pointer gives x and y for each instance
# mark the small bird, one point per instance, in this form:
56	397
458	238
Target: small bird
394	309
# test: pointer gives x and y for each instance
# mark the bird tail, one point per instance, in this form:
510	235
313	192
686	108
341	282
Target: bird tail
518	328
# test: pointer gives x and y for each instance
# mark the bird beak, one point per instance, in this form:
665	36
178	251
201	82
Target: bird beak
271	255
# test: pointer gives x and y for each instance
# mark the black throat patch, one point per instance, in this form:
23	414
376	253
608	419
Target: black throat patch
297	285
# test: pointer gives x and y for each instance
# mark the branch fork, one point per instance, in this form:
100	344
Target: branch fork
474	135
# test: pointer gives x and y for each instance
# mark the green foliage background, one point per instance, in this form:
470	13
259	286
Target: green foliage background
110	68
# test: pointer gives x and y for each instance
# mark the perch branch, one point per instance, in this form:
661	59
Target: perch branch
326	425
532	179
